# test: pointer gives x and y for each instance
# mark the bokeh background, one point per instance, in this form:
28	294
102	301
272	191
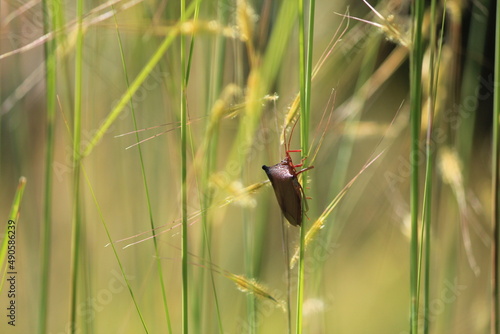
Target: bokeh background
357	267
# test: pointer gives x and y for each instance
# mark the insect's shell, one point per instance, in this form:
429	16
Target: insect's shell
287	188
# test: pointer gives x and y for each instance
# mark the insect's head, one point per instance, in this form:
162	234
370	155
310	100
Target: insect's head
287	160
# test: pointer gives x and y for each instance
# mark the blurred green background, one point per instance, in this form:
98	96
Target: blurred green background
357	267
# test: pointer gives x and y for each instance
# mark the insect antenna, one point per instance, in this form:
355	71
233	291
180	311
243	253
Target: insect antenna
287	145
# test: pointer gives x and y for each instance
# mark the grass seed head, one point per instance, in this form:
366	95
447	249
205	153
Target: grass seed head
309	237
253	287
193	27
246	19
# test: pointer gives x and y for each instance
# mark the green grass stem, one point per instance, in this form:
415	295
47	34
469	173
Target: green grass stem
50	49
11	229
262	78
495	191
112	244
305	68
416	57
347	141
146	189
434	65
184	136
76	220
136	84
476	43
214	81
110	239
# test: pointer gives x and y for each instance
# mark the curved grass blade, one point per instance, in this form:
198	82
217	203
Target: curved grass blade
146	188
127	96
10	231
319	223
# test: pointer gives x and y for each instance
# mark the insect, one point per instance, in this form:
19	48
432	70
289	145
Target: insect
287	188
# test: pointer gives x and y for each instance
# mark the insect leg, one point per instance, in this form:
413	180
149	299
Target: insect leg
303	170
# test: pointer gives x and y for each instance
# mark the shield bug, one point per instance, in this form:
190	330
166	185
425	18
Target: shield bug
287	188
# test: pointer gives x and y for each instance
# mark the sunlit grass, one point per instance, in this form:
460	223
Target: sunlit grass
393	231
7	256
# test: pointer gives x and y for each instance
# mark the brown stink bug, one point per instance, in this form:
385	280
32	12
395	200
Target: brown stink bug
287	188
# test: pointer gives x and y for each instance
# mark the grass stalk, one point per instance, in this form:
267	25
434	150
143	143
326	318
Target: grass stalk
10	231
184	236
264	76
205	222
249	246
434	65
50	50
347	141
476	42
302	78
146	188
305	67
246	24
16	203
495	282
426	216
112	244
208	167
416	56
76	221
214	81
195	319
426	203
136	84
210	147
